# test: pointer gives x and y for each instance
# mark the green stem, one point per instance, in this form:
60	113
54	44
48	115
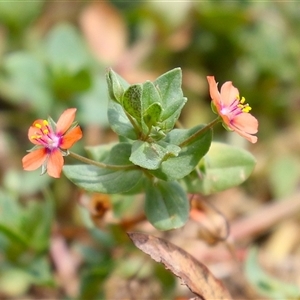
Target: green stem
199	132
133	123
101	164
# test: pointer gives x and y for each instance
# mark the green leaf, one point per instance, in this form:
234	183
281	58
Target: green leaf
171	114
116	86
110	181
223	167
266	284
169	86
138	188
152	114
171	95
178	167
94	179
132	101
151	155
166	206
119	122
150	95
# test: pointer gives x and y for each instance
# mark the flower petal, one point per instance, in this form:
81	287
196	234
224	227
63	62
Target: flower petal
33	131
213	91
246	122
71	137
65	120
229	93
245	125
226	120
249	137
34	159
55	164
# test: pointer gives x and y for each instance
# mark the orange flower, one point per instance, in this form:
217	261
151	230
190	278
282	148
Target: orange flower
233	110
52	142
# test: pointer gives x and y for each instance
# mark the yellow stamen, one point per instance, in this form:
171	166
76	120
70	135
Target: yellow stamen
45	122
35	137
244	107
46	131
37	125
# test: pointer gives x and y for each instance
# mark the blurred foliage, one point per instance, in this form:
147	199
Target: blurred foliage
54	55
265	283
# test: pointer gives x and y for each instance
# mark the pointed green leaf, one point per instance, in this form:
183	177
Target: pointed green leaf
150	95
223	167
116	85
166	206
151	155
178	167
172	100
157	133
119	122
152	114
110	181
169	87
132	101
170	114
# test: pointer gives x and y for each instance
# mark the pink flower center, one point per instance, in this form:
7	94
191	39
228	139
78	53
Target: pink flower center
46	137
235	108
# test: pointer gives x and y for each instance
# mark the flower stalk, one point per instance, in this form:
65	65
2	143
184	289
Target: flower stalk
199	132
101	164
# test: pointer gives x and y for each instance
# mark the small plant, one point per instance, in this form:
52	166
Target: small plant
152	156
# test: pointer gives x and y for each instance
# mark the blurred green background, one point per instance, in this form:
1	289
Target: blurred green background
54	55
